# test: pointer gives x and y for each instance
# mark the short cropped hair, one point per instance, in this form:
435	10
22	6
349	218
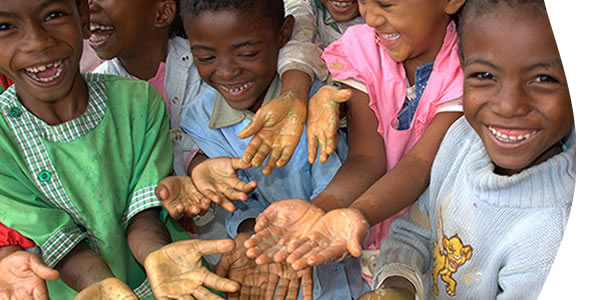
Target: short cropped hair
476	8
270	10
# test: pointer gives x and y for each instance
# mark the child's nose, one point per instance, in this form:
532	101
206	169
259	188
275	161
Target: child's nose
37	39
511	100
370	12
227	70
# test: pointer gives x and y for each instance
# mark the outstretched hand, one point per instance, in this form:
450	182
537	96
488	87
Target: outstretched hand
23	275
332	237
323	121
176	270
282	222
213	180
111	288
261	281
277	128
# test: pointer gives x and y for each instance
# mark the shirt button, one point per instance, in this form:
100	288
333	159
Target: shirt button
15	112
185	58
175	100
44	176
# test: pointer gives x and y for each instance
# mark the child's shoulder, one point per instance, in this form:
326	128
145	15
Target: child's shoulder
460	135
122	91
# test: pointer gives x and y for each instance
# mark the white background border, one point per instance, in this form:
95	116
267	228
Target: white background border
576	25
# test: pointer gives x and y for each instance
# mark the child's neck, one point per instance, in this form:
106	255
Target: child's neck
429	55
144	64
61	110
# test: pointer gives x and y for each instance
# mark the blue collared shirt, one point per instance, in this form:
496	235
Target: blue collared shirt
214	126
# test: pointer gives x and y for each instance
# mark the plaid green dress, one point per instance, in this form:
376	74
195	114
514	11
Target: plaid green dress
85	179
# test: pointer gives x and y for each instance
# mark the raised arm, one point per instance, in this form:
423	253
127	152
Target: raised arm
364	165
409	178
366	157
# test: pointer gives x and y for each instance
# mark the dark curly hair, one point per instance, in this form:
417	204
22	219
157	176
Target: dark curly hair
270	10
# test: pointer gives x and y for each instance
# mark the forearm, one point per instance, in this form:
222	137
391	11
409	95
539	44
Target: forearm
297	82
397	189
146	233
354	177
366	161
83	267
409	178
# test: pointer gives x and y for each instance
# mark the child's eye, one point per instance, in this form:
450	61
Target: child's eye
5	26
383	5
544	78
204	59
483	76
54	15
248	55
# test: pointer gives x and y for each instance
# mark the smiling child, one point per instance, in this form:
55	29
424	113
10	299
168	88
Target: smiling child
82	154
235	46
501	188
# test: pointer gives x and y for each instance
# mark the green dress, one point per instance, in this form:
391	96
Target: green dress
85	179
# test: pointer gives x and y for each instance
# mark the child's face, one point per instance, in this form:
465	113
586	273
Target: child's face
341	10
409	29
41	46
118	26
236	53
515	92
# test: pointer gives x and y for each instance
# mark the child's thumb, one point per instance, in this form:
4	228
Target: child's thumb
255	125
43	271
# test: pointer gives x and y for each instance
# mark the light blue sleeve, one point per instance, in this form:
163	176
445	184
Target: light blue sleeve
405	252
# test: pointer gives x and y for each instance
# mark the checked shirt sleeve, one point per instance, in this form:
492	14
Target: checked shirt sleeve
154	161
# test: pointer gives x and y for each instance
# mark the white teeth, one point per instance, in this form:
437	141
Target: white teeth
94	27
32	71
41	68
390	36
509	139
342	4
237	89
97	39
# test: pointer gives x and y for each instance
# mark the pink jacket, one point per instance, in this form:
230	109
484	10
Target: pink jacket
357	56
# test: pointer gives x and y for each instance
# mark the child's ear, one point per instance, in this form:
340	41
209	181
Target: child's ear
84	19
165	14
452	6
286	31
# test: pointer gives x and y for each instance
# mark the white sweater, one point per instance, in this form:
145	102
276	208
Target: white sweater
502	232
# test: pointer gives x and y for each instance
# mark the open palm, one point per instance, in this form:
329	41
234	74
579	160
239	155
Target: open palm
24	276
108	289
176	270
277	128
213	180
281	223
262	281
335	234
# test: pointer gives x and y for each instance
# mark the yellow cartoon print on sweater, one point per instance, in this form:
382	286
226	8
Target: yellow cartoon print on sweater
449	255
